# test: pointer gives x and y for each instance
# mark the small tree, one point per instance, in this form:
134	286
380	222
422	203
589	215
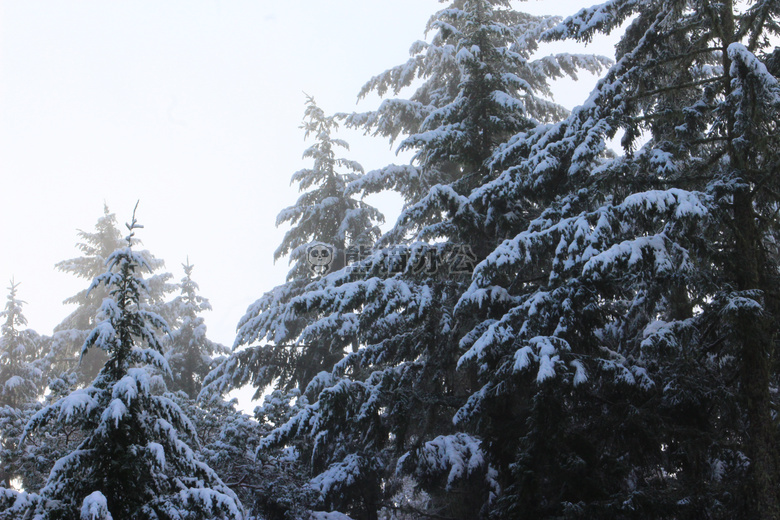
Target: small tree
21	377
190	352
324	214
21	382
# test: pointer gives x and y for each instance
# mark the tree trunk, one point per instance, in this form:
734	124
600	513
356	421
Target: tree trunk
755	335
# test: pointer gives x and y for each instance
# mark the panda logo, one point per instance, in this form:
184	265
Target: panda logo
319	256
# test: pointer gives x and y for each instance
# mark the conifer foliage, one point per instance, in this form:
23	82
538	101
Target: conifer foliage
134	461
387	404
630	333
21	382
553	329
190	351
21	376
65	357
326	215
481	85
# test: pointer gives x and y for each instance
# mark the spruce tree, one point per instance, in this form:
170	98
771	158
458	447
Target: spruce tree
189	352
21	382
389	403
134	461
21	377
323	215
628	355
70	334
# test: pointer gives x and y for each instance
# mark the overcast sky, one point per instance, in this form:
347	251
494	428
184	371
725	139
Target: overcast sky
192	107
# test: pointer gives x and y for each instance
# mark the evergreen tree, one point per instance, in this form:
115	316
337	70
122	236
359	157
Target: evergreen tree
70	334
21	376
628	357
389	403
134	461
190	352
481	86
21	382
323	215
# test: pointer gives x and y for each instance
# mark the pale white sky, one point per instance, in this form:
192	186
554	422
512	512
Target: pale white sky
193	107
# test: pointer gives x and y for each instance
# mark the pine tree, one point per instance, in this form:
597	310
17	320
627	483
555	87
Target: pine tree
190	353
70	334
20	356
628	356
134	461
389	403
322	215
227	436
21	382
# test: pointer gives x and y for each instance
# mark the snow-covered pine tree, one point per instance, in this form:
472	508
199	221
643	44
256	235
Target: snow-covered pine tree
227	436
324	214
189	352
481	85
134	461
21	381
70	334
394	398
21	352
628	360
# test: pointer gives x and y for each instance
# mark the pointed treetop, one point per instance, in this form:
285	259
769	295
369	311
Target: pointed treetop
13	311
133	225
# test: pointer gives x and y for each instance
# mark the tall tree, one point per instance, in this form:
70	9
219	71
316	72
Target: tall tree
629	356
134	461
70	334
323	216
390	402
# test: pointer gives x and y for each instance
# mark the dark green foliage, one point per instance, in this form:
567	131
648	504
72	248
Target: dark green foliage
639	302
